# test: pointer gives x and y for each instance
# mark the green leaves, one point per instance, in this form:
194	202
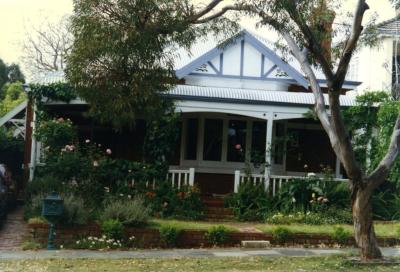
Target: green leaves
123	54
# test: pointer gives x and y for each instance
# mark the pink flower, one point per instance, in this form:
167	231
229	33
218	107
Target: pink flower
108	151
238	147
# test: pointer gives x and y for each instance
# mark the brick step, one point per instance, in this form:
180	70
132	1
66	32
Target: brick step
213	202
217	213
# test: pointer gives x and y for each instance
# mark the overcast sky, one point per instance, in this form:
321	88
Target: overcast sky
17	17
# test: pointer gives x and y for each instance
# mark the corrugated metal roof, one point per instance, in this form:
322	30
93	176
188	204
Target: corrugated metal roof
390	27
250	96
50	77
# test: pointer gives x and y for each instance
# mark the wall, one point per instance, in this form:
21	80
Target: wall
375	66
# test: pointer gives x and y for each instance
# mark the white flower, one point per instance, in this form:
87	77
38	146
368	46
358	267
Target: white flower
95	163
311	175
129	196
108	151
87	141
294	200
61	246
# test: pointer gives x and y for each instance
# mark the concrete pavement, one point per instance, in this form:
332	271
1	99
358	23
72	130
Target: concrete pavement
181	253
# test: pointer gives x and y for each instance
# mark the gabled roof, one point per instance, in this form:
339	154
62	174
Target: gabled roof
14	112
257	43
390	27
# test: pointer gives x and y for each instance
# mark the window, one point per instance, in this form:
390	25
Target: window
192	128
236	141
212	150
258	141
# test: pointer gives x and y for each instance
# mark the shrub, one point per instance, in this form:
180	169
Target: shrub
250	203
75	212
340	235
103	242
183	203
113	229
34	208
283	219
31	245
128	212
217	235
55	134
281	234
43	185
329	216
37	220
169	235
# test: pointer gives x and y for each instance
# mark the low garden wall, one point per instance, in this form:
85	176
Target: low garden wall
150	238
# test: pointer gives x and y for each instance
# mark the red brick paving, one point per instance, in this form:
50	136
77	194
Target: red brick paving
14	230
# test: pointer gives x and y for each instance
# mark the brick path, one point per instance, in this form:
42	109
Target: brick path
14	230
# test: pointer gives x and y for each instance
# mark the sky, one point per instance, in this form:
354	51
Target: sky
18	17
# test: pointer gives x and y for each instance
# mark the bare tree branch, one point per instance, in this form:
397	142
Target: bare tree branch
351	44
46	47
218	14
382	171
207	9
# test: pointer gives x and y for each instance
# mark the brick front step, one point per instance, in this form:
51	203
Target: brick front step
216	213
213	202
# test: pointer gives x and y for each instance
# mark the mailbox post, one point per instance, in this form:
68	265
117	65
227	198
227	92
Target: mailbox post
53	208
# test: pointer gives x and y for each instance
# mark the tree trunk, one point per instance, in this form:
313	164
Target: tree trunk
364	232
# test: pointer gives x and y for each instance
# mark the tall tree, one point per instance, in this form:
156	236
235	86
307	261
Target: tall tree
304	34
123	52
47	46
15	74
3	74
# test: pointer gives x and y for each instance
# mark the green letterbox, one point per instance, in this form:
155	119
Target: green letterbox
53	208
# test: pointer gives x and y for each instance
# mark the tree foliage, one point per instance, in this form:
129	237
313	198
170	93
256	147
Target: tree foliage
13	94
10	73
123	53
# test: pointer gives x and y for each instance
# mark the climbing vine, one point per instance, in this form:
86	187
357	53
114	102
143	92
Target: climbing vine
371	123
57	91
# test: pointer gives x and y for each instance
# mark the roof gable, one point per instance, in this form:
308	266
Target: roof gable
245	56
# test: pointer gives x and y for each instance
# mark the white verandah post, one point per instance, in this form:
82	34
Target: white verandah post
268	151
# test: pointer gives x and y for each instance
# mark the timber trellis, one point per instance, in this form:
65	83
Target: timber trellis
273	183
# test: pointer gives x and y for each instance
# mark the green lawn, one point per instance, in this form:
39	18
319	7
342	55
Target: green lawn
189	225
382	230
253	264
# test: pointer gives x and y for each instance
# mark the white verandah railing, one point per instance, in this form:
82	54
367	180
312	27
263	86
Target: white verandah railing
180	178
273	183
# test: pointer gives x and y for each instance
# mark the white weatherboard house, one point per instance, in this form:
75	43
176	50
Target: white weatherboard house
237	102
376	67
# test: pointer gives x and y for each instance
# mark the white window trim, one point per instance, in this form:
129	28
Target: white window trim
222	166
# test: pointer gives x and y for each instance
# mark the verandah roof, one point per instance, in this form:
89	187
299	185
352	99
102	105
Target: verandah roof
250	96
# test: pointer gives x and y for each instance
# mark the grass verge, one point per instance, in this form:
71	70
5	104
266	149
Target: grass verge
254	264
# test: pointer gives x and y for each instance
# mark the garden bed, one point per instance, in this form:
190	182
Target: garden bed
150	237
